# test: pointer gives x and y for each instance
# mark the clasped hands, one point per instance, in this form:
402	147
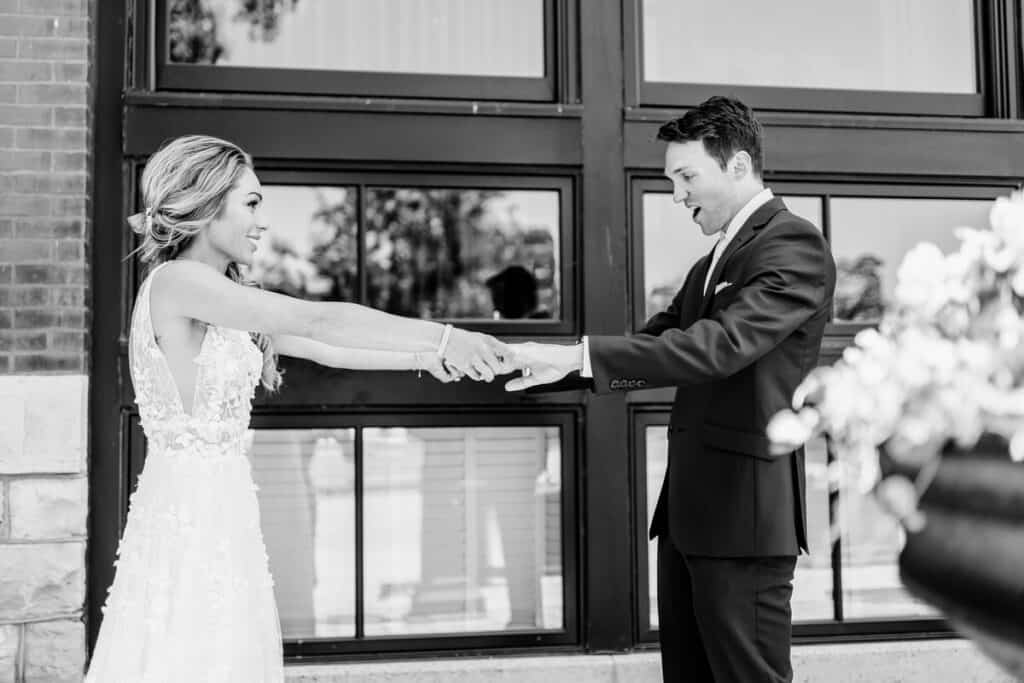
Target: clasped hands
481	357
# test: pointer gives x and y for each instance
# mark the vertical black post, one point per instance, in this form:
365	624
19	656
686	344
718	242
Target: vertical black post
607	529
105	452
360	545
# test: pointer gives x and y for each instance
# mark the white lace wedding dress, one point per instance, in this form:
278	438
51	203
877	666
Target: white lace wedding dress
192	599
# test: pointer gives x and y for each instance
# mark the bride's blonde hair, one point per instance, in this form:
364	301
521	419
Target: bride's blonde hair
184	186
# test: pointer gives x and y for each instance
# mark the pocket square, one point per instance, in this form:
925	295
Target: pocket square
722	285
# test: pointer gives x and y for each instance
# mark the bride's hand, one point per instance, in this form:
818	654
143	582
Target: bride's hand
477	356
432	363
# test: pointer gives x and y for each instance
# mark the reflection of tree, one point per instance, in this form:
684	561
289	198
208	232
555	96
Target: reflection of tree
263	17
429	252
192	33
858	293
328	272
192	29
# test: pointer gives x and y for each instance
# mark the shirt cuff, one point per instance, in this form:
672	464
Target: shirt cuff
587	371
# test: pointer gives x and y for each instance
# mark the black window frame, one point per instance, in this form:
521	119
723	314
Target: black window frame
168	76
990	23
602	142
567	420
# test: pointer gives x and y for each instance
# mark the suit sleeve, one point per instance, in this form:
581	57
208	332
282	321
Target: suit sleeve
784	287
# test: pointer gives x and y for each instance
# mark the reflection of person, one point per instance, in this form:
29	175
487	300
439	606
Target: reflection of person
192	598
743	331
514	293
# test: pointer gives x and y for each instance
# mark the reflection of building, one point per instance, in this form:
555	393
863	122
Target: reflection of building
883	141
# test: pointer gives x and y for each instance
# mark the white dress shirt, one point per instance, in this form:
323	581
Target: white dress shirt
725	236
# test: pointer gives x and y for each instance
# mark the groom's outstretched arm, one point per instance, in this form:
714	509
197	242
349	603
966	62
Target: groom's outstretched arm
785	286
547	361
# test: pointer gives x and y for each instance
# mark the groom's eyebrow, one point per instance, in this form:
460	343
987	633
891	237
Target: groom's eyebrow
676	169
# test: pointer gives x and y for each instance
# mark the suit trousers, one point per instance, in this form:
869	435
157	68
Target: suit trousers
724	620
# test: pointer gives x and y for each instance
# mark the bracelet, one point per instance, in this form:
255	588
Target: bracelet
444	340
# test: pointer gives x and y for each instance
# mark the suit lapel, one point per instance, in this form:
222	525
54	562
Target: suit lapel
693	297
746	233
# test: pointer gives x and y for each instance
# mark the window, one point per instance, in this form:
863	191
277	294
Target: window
809	55
671	243
419	526
812	583
862	561
869	229
462	529
487	49
870	235
493	255
306	480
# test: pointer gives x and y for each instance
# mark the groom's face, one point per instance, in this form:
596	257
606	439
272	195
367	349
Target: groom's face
708	190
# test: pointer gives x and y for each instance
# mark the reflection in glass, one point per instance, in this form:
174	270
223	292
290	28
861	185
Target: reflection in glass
812	583
462	529
443	253
867	45
656	449
454	37
311	248
871	541
870	235
673	243
307	514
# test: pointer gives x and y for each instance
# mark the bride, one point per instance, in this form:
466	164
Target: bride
192	598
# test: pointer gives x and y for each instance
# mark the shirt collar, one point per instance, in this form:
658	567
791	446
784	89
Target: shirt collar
755	203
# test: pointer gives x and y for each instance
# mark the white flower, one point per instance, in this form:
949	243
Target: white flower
920	280
1007	219
1017	446
789	430
946	363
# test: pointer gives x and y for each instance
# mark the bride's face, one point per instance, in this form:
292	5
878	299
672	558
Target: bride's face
235	232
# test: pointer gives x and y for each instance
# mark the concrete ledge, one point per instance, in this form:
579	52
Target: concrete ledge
934	661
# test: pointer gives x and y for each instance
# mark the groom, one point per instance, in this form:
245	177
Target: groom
739	336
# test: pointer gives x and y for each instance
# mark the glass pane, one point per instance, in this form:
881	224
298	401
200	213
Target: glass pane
673	243
656	449
310	250
462	529
455	37
307	513
870	236
871	541
812	584
468	254
869	45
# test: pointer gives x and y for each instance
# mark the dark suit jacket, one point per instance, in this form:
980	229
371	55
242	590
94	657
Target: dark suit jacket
737	356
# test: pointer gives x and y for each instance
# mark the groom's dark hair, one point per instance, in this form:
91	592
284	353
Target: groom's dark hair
725	126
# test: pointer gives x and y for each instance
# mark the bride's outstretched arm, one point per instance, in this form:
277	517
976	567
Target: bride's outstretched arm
197	291
361	359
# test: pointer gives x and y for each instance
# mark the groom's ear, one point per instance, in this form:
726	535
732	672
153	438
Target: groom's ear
741	164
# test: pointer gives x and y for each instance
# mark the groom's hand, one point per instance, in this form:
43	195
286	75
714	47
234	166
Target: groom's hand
544	363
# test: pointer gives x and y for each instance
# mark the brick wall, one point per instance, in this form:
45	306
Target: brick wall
44	225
